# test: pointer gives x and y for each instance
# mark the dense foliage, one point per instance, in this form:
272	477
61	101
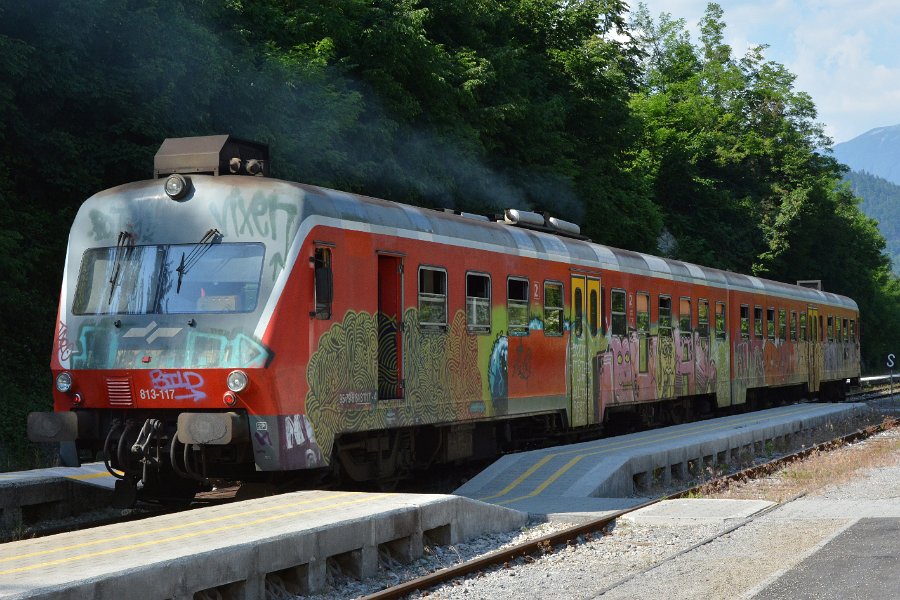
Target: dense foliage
651	141
881	201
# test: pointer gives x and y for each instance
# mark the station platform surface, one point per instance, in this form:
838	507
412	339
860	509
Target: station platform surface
589	479
89	473
239	545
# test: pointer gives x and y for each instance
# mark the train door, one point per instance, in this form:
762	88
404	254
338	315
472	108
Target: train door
390	342
813	348
584	334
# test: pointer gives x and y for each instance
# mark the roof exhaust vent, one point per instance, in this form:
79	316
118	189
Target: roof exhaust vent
211	155
815	284
540	222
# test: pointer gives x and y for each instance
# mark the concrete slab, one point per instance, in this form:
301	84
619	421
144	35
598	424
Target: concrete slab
552	480
693	511
235	547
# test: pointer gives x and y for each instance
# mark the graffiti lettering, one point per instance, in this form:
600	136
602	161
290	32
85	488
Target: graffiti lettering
262	438
260	216
66	348
356	400
185	384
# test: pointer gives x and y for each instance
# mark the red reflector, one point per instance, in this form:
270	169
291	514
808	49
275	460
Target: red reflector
146	359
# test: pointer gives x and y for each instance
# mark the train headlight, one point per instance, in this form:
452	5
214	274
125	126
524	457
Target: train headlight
64	382
177	186
237	381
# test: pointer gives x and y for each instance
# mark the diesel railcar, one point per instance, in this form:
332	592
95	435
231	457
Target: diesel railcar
217	323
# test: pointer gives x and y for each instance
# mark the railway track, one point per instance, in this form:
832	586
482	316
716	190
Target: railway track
545	544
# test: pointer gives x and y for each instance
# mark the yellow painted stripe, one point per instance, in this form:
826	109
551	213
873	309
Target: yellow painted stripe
602	448
89	476
183	525
191	534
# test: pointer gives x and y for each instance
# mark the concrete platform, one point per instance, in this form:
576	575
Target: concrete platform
236	548
587	478
686	512
27	497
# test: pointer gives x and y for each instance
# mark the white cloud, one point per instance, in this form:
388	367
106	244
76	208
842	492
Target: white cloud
844	56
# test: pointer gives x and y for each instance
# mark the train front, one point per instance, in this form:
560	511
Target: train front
159	361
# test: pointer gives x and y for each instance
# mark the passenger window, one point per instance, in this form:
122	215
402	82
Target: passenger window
594	312
478	302
324	283
745	321
665	315
830	328
782	324
432	297
619	323
643	312
517	305
852	330
703	318
720	320
845	329
757	322
803	326
553	308
770	323
793	325
579	312
684	316
643	325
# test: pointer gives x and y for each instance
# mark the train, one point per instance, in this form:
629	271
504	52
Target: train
216	323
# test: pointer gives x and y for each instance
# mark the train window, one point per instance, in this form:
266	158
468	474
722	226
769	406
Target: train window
517	305
206	277
820	330
643	325
617	302
703	318
593	311
579	312
478	302
553	308
684	315
846	330
745	321
720	320
830	328
432	297
324	283
770	323
793	325
852	330
782	324
643	312
757	322
803	326
665	315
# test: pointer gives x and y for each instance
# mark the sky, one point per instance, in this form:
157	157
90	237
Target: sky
846	55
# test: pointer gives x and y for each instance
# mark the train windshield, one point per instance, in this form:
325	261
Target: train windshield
182	278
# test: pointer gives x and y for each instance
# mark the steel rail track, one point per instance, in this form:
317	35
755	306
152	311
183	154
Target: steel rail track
568	536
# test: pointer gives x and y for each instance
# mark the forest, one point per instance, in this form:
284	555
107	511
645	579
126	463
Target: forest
621	121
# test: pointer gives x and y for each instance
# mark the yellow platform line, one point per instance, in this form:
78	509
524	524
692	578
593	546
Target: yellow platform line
183	525
183	536
611	446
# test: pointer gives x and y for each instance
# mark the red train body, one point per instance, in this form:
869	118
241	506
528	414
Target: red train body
234	326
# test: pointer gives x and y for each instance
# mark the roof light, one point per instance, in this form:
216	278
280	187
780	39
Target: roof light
177	186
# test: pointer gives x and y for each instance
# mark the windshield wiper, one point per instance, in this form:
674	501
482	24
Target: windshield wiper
123	247
209	238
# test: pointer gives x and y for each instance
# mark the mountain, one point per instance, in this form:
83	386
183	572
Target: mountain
880	201
877	152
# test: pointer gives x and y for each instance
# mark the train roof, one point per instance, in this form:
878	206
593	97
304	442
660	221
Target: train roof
374	214
439	225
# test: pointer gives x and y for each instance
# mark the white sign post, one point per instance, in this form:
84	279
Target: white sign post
890	365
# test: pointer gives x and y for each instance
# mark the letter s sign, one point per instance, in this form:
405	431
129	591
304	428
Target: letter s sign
890	361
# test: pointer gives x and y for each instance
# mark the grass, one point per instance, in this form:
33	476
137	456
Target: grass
821	469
